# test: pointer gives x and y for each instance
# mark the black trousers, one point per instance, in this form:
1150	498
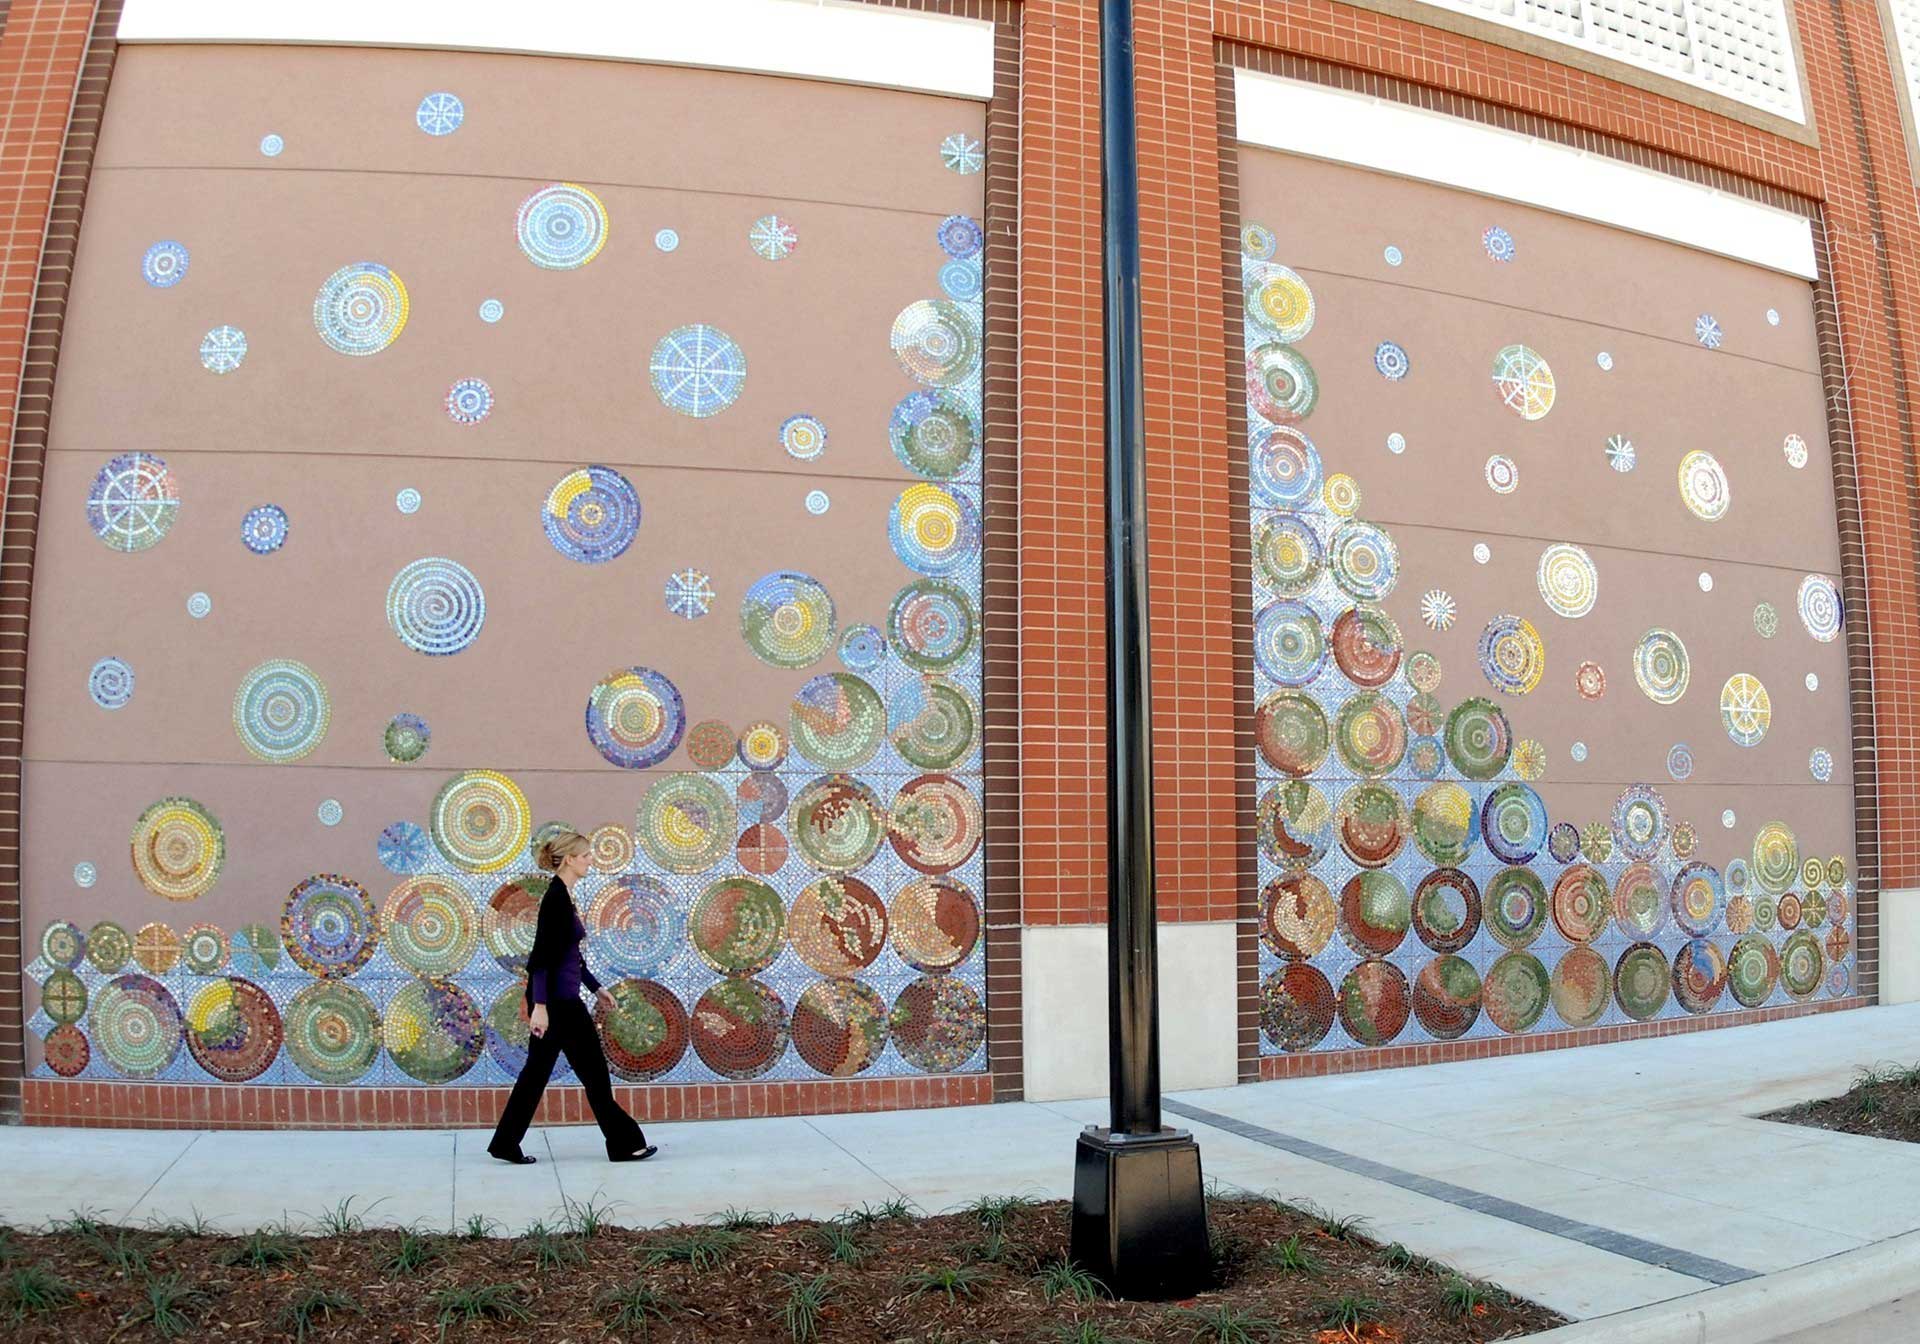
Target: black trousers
569	1028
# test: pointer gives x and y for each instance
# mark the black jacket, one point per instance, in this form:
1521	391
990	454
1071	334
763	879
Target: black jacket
554	939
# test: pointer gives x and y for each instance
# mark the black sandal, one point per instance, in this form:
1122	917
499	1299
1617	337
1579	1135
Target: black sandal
517	1159
640	1156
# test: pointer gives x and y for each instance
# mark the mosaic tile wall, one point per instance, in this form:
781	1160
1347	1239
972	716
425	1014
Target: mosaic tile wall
432	465
1549	696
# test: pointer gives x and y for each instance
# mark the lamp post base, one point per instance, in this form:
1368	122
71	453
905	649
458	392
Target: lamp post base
1139	1213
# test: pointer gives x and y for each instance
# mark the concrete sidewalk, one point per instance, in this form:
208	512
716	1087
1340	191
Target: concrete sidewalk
1594	1180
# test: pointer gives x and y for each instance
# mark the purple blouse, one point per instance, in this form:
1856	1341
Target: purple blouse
562	982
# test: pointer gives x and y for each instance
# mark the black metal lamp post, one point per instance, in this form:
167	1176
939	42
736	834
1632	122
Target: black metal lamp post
1139	1215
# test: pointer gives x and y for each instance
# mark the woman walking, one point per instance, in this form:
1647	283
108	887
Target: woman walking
559	1021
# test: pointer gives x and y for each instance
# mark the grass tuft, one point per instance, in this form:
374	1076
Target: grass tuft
1224	1325
312	1305
1084	1332
488	1302
1462	1297
478	1227
1291	1257
195	1224
584	1218
1348	1312
119	1252
169	1306
341	1220
263	1250
1397	1256
634	1307
28	1290
869	1214
410	1254
956	1281
550	1249
1064	1278
697	1247
996	1211
806	1303
840	1243
744	1220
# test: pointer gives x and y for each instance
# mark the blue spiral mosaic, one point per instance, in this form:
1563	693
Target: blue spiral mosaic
361	308
440	114
862	647
223	349
404	848
961	237
110	683
961	280
264	529
271	145
698	370
492	310
562	227
436	606
469	401
591	515
165	264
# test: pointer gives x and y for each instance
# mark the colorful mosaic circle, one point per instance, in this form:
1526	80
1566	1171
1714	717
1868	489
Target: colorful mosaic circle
1423	671
1640	821
178	849
1523	382
1568	579
1289	644
469	401
481	821
361	309
1746	710
1295	824
838	925
1446	910
63	944
1820	607
591	515
1375	1002
698	370
156	948
1503	475
108	947
164	264
840	1027
933	625
934	433
1372	825
1296	1007
1789	911
787	619
1370	735
1582	905
635	717
1292	732
1512	655
510	920
436	606
406	738
762	850
1287	554
838	824
403	848
934	530
264	529
1298	916
938	1023
938	342
772	238
429	927
1660	666
134	502
1698	898
1478	739
1283	467
935	922
332	1032
223	349
1446	997
739	1029
685	823
1374	913
1391	361
935	723
66	1051
329	926
1282	302
135	1023
1699	975
1443	823
1590	679
281	710
110	683
1582	987
1363	560
1514	822
935	823
1367	645
1281	384
647	1032
1516	906
1703	486
1341	495
1641	982
638	924
434	1031
1516	991
562	227
63	995
1753	969
203	949
1499	244
1639	902
737	925
233	1029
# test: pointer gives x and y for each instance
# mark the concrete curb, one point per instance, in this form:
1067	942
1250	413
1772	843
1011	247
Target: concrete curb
1804	1297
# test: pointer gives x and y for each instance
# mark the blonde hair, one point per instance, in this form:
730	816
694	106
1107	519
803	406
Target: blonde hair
559	846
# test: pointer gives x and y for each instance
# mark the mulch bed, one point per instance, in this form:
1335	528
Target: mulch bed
1883	1103
997	1250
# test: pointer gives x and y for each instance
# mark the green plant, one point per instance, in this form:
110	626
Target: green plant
697	1247
169	1305
194	1224
26	1290
806	1301
341	1220
478	1227
552	1250
1225	1252
1348	1312
634	1307
311	1304
955	1281
263	1250
488	1302
1397	1256
410	1254
1462	1297
1225	1325
120	1252
996	1210
78	1223
869	1214
991	1249
584	1218
1350	1228
740	1220
1084	1332
1291	1257
1063	1278
840	1243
